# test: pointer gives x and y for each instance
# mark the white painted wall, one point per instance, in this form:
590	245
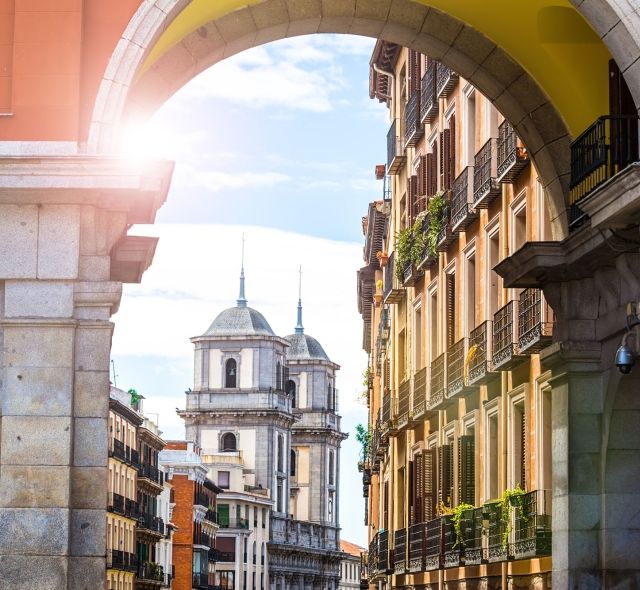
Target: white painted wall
215	368
246	368
302	391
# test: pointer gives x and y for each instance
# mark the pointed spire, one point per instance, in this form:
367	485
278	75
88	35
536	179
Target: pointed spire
242	300
299	327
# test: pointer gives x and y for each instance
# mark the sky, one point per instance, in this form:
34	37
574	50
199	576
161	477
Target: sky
280	143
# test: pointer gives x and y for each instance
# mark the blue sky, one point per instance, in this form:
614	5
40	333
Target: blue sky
279	142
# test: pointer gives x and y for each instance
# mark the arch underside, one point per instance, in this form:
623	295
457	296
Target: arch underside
187	39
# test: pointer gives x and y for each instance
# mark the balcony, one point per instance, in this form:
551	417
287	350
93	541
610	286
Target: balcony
438	382
404	394
234	523
395	150
473	534
447	80
432	545
602	150
201	499
150	474
410	275
200	580
417	534
222	556
400	551
535	325
384	563
116	504
428	99
445	236
413	129
122	560
211	516
479	363
150	524
452	550
532	525
496	546
392	291
419	394
505	339
299	534
456	370
428	257
374	569
116	450
485	186
150	572
462	210
512	158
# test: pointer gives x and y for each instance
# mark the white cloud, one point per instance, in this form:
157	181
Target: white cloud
188	176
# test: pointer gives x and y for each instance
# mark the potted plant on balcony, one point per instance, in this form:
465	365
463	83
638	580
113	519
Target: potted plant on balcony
435	207
377	296
383	258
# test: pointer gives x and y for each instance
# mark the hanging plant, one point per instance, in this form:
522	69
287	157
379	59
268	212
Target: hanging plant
404	246
457	521
510	499
435	208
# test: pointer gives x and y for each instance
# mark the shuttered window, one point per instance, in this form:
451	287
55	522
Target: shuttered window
414	208
445	474
452	147
466	470
445	159
414	71
424	491
523	450
451	309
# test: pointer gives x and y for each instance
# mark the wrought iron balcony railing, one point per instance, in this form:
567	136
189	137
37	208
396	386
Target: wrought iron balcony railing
512	156
496	545
485	186
384	563
432	545
447	80
535	321
413	129
116	449
428	257
438	382
396	156
429	100
400	551
116	503
122	560
456	374
472	531
151	523
404	394
602	150
392	291
234	523
417	537
479	360
151	473
462	210
451	548
419	394
445	235
374	566
150	571
505	337
531	531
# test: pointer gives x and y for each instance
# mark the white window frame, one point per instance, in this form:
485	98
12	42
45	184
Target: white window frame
417	354
515	397
468	252
491	229
469	93
490	410
432	291
541	387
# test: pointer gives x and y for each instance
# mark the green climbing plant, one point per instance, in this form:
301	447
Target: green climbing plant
435	207
135	397
458	512
510	499
404	245
363	436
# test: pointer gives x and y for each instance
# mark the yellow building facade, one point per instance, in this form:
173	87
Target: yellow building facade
457	468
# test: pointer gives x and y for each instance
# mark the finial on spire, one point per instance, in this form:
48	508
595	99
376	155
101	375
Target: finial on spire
242	301
299	327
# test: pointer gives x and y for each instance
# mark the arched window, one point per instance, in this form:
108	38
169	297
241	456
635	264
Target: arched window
280	453
229	442
292	464
332	479
230	373
278	376
291	390
329	397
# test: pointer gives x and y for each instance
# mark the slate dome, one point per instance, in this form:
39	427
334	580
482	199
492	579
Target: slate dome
304	347
239	321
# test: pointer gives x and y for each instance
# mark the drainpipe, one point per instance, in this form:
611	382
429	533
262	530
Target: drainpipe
391	75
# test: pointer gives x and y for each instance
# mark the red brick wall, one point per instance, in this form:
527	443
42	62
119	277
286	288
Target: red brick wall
183	491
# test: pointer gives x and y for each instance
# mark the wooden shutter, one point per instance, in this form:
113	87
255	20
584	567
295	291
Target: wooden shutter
523	450
387	373
429	174
451	309
445	474
414	71
385	511
434	169
429	488
466	470
419	488
441	161
446	161
424	173
413	195
412	493
452	147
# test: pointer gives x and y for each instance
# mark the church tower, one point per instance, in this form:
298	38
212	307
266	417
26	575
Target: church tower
316	435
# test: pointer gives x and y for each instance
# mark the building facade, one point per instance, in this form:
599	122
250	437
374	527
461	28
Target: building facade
457	475
262	418
194	515
350	570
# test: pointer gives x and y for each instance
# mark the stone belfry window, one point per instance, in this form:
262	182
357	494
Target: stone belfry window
230	374
229	442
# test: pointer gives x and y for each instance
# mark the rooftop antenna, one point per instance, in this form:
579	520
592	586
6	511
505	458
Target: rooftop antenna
113	370
242	300
299	327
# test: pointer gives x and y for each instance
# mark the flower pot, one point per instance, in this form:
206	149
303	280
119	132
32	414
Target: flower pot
383	258
377	299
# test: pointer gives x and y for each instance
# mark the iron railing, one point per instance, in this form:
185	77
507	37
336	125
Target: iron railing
447	79
122	560
151	522
400	551
427	258
432	545
416	547
234	523
534	325
604	149
445	235
455	368
148	570
462	211
451	548
392	289
383	551
504	341
404	393
428	99
485	186
512	158
395	150
152	473
478	365
532	525
117	449
419	393
413	129
437	382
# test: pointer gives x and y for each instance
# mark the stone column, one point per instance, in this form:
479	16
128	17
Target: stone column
62	245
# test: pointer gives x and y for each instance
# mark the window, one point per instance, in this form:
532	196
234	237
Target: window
331	468
491	451
229	442
280	453
417	338
264	518
493	280
330	398
223	515
230	373
224	479
278	376
292	463
280	497
433	323
291	390
451	307
517	437
470	291
469	143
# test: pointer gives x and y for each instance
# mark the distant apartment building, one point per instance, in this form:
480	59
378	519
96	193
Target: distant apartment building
138	537
194	516
457	469
350	570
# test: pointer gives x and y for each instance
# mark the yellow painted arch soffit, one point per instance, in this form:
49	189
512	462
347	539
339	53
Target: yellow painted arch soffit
549	38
